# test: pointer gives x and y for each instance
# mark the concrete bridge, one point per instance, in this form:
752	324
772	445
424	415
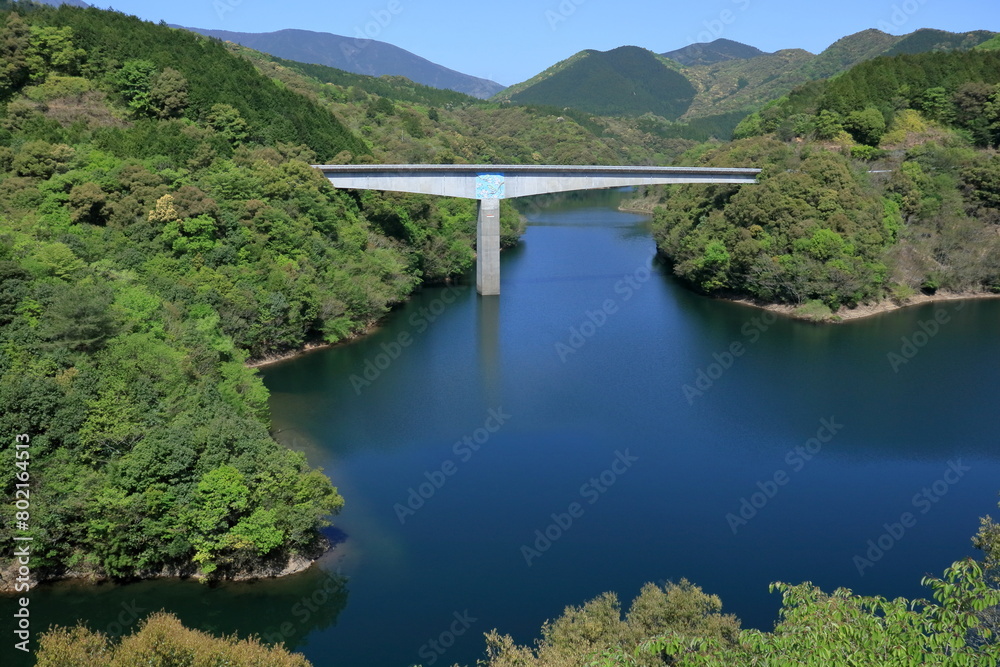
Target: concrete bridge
491	183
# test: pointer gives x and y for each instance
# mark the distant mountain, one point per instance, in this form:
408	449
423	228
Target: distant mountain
849	51
709	53
56	3
627	81
360	56
734	85
717	81
926	39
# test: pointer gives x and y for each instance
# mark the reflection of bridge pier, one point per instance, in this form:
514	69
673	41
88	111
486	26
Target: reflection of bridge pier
491	183
489	348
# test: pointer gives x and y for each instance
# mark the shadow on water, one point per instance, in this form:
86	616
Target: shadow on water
285	610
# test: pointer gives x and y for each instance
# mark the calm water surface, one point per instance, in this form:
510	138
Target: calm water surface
464	425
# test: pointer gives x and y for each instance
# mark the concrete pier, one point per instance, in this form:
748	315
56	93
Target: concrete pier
488	247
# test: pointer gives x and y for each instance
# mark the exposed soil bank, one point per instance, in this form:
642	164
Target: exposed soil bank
845	314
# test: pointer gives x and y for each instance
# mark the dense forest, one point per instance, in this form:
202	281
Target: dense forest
159	229
877	184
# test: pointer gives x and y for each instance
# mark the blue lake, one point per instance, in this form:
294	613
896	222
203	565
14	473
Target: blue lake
599	426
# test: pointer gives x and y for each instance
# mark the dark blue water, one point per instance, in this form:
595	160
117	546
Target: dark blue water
561	407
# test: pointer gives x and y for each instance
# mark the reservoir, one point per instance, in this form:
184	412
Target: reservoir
596	427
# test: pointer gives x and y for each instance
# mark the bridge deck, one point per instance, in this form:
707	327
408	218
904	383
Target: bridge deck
489	183
506	181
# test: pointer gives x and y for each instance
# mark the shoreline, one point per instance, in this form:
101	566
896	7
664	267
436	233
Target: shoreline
308	348
863	311
294	564
646	205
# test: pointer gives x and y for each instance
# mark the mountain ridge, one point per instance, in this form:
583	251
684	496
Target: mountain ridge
617	82
727	77
356	55
708	53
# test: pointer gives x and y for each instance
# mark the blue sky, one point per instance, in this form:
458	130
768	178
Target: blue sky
512	40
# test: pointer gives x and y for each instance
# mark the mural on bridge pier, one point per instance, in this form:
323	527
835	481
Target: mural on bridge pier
490	186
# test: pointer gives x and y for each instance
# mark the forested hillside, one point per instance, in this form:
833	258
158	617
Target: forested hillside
878	183
625	81
161	226
705	89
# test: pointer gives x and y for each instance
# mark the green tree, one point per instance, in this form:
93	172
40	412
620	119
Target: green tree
79	317
51	49
168	93
135	84
828	124
843	628
15	38
87	203
867	126
222	497
226	119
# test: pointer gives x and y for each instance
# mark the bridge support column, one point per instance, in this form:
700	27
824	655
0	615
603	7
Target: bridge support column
488	247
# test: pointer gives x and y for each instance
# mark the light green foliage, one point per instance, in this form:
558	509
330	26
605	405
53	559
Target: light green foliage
56	86
56	259
257	531
866	153
51	49
193	235
226	119
828	124
597	627
161	640
14	41
41	159
814	311
134	81
848	629
935	103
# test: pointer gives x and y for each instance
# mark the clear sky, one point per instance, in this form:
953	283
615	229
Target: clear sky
512	40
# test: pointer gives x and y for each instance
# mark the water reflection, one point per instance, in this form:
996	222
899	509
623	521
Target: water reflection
488	334
276	610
